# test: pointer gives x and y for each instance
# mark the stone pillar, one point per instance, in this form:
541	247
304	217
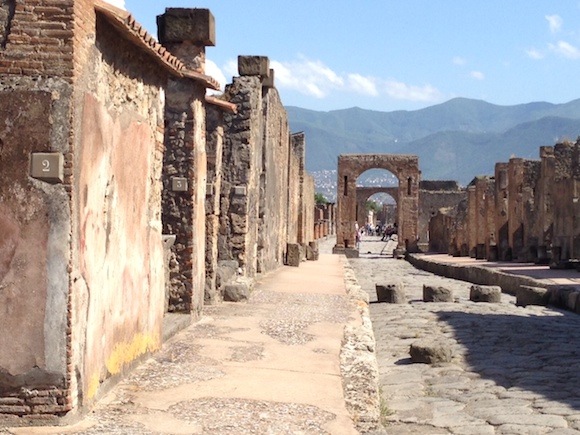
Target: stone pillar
544	197
471	220
502	212
186	32
515	206
564	200
243	158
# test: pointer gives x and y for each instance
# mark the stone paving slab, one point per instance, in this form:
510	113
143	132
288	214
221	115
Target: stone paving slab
514	370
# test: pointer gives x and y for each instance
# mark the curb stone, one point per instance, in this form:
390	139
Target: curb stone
358	361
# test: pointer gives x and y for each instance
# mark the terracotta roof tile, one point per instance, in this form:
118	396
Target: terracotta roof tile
226	105
136	34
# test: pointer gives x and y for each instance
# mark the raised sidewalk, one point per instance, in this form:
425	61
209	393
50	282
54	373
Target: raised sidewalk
274	364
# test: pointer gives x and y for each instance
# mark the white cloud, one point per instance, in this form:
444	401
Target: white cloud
555	23
534	54
118	3
230	69
457	60
313	78
211	69
403	91
363	85
565	49
478	75
306	76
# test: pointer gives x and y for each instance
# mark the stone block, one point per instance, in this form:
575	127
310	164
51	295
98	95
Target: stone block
253	66
571	300
398	253
312	253
528	295
560	295
351	253
236	292
293	254
437	294
177	25
391	293
429	352
268	82
485	293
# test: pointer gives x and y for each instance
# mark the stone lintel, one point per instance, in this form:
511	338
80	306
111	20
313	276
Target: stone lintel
178	25
254	66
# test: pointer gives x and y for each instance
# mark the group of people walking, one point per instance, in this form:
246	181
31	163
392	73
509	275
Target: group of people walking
385	231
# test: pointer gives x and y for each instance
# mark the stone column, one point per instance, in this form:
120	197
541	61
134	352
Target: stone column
186	33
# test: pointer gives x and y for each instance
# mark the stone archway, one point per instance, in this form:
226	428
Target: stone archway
364	193
405	168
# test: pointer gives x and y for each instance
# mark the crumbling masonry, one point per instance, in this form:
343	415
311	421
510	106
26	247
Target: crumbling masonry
528	211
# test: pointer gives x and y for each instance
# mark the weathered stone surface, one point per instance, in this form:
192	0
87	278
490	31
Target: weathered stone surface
563	296
236	292
429	352
391	293
186	24
294	254
485	293
312	253
253	66
529	295
437	294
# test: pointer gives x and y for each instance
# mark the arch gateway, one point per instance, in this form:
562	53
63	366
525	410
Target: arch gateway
364	193
405	168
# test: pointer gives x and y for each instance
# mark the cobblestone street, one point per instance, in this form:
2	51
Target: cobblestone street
514	370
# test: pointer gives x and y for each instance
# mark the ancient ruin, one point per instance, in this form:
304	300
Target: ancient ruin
525	212
405	168
127	193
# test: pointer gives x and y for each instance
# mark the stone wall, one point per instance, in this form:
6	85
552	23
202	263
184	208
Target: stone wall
83	82
526	212
36	70
564	194
434	195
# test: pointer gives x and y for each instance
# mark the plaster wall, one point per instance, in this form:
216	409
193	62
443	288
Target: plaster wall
117	268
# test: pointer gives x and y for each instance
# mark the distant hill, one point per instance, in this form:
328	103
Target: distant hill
456	140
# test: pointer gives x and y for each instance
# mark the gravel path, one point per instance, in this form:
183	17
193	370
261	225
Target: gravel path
514	370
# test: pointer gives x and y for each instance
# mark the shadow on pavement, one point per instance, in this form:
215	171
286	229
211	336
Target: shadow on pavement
538	354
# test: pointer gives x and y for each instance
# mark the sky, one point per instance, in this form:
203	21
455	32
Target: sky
389	55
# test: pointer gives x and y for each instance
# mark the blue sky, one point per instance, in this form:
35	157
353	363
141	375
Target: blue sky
404	55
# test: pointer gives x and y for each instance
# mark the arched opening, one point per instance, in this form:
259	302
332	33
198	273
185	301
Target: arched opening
376	197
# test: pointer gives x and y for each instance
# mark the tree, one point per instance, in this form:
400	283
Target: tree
375	207
319	199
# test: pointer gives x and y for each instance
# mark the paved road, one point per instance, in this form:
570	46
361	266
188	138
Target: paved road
514	371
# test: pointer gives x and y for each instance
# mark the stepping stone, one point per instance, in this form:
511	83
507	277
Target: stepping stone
437	294
485	293
429	352
236	292
528	295
391	293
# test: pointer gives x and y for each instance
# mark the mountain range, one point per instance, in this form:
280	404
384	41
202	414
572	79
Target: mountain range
455	140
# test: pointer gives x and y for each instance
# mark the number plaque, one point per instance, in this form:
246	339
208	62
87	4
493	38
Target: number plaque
47	167
179	184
